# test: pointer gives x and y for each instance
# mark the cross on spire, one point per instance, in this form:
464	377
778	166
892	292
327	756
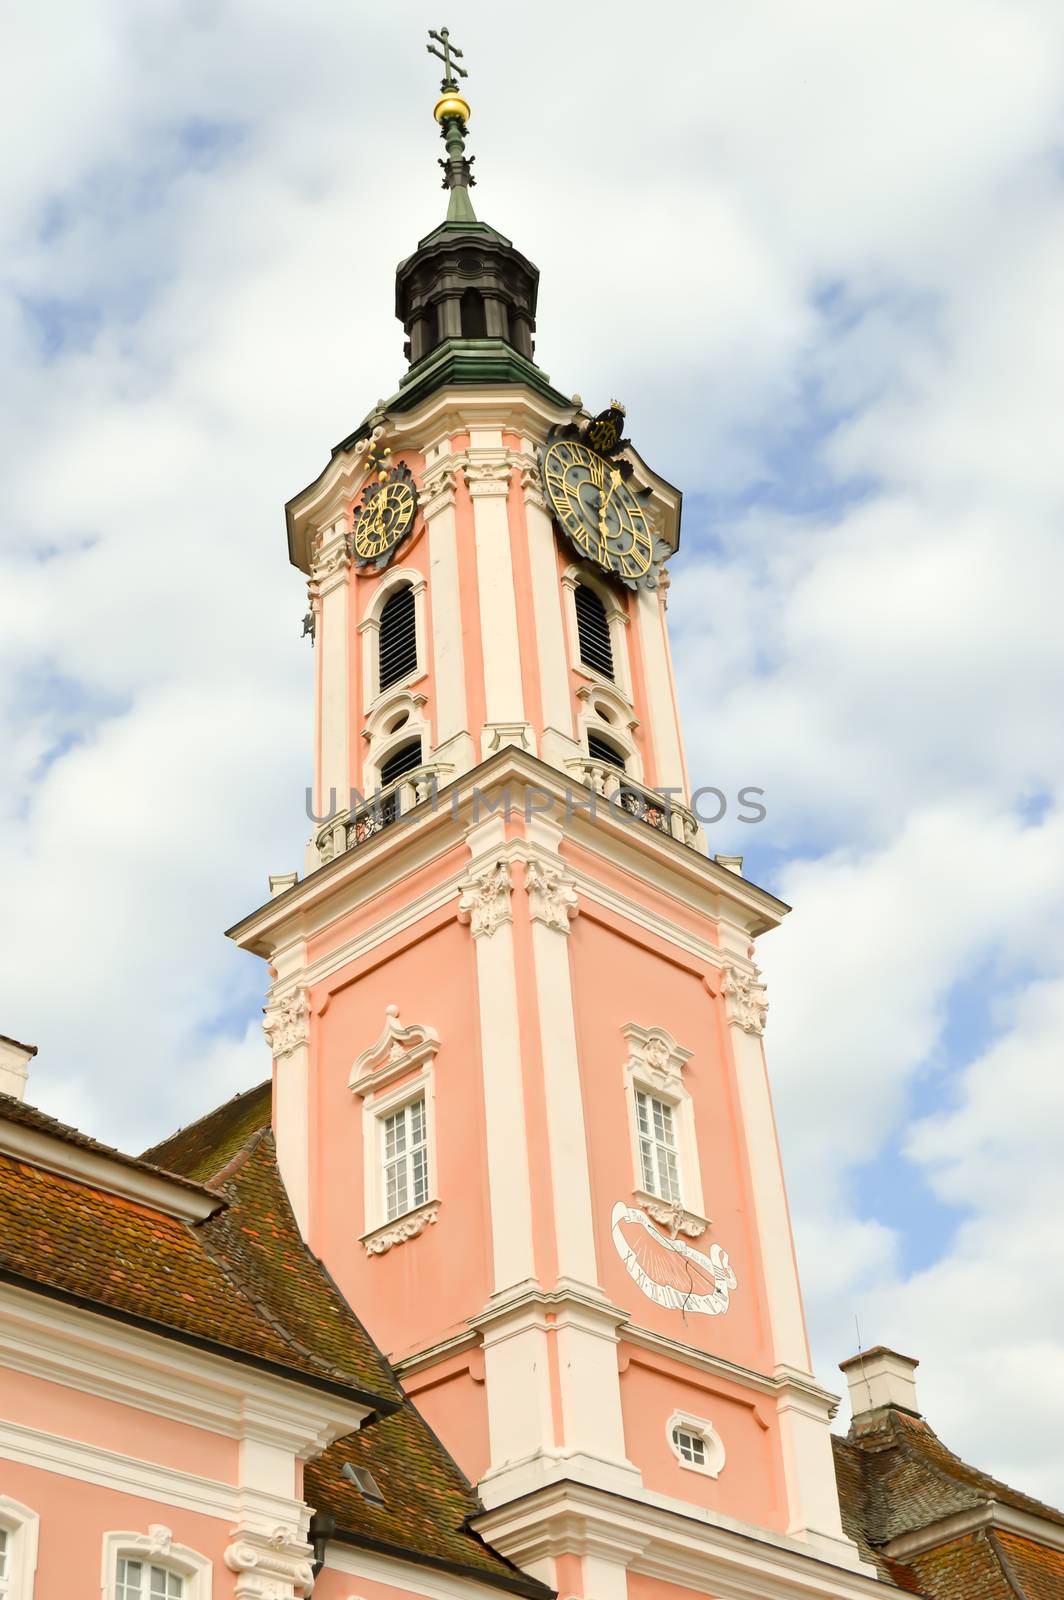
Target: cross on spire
450	81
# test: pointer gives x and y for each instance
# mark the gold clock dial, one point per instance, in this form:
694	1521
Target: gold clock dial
597	509
384	517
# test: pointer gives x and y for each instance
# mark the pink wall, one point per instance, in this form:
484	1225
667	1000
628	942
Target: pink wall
72	1414
424	1288
74	1516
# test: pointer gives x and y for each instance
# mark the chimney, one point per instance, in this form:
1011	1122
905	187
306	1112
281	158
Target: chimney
15	1060
880	1380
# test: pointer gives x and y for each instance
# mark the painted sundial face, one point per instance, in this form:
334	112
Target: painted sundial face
598	510
669	1271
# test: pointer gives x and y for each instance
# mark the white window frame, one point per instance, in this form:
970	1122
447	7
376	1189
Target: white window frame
655	1065
156	1548
616	616
404	1109
21	1526
669	1142
394	1072
699	1428
373	698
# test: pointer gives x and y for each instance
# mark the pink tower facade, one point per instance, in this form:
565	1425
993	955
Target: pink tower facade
520	1096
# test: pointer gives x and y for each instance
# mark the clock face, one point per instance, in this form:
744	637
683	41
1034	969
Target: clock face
384	517
668	1270
601	515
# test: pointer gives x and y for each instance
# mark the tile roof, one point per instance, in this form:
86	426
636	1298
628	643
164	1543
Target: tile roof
427	1501
27	1116
202	1149
897	1477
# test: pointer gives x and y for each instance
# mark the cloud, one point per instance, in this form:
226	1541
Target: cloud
818	254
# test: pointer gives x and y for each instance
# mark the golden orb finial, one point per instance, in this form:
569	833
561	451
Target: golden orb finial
451	104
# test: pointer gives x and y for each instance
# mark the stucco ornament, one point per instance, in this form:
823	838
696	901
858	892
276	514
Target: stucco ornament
667	1270
655	1057
552	897
407	1227
744	997
286	1022
270	1567
485	901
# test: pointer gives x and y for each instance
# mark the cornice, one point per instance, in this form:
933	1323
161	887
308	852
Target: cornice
991	1514
650	855
115	1361
173	1196
674	1542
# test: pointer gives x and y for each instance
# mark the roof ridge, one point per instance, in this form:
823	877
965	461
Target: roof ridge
187	1127
1006	1566
984	1490
230	1261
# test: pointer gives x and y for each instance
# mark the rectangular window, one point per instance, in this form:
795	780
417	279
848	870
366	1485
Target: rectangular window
657	1146
3	1561
141	1580
405	1159
690	1446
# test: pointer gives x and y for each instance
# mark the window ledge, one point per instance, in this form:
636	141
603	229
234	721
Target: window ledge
675	1217
399	1229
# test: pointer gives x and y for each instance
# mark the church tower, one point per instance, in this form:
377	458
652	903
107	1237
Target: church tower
520	1097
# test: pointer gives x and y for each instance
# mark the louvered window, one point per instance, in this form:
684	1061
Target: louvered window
593	628
405	759
397	643
657	1146
600	749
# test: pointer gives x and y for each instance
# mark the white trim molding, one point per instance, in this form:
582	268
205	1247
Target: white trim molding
21	1526
100	1169
655	1066
273	1566
156	1547
396	1071
369	627
699	1428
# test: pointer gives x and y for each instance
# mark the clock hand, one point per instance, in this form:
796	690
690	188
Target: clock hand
615	478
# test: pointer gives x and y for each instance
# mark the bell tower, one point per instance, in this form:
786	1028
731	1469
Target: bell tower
520	1096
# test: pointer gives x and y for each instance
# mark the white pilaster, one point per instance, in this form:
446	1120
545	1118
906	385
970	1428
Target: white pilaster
663	716
448	663
485	905
287	1027
488	470
328	590
553	660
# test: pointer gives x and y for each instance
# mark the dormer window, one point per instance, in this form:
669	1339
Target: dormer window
593	631
397	641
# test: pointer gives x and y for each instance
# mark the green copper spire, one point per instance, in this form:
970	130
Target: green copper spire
452	114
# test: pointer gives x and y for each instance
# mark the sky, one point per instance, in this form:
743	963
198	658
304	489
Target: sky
817	250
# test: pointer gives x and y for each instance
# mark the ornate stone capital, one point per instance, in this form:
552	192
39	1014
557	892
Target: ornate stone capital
403	1228
438	484
531	480
330	557
489	475
270	1567
744	999
552	897
286	1022
485	901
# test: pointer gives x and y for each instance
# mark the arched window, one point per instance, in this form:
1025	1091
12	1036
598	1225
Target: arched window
474	321
18	1549
405	759
600	749
593	629
397	641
